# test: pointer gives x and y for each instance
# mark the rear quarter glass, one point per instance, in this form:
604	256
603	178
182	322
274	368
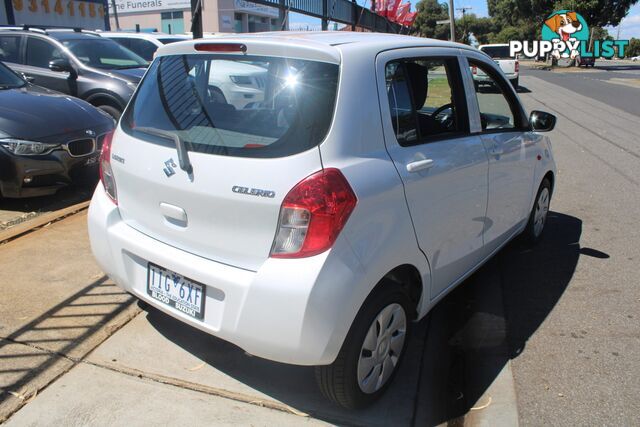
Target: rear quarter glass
249	106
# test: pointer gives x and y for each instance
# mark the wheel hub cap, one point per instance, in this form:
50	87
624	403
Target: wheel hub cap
382	347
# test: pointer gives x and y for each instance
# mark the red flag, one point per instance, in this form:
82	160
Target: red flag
409	19
381	7
392	7
402	12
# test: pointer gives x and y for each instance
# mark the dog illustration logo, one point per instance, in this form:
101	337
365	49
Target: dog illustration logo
566	26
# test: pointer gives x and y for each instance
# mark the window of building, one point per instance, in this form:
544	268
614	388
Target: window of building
237	22
172	22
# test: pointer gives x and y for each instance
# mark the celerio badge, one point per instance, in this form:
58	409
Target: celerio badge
253	191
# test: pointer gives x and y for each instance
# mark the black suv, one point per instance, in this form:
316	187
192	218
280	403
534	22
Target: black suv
78	63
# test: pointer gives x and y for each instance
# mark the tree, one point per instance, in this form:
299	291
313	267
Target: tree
634	48
484	29
599	13
528	15
430	11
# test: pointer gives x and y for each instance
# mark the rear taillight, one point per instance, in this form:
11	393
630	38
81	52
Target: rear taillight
312	215
106	173
517	66
474	69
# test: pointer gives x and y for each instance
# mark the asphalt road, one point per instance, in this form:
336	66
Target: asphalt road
573	317
618	86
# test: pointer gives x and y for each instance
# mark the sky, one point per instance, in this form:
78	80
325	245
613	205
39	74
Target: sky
630	26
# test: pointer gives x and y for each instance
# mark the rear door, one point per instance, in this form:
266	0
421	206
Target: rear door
243	161
442	165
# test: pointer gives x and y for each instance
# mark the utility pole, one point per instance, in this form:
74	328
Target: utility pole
464	23
452	21
196	18
115	14
619	27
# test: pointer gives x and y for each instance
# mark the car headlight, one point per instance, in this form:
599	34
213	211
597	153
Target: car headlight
241	80
27	148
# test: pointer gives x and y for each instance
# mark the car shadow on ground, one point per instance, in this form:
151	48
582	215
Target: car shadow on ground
496	311
454	354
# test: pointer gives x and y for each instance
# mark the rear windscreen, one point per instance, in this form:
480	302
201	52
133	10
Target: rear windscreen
248	106
498	52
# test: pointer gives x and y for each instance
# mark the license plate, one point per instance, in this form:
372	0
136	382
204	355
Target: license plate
176	291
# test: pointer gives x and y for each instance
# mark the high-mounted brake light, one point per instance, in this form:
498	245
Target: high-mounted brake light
106	173
221	47
312	215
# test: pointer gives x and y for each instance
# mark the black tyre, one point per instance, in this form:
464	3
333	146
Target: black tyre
372	351
112	111
538	217
515	83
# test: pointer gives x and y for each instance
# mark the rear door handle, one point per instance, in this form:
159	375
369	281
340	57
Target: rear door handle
420	165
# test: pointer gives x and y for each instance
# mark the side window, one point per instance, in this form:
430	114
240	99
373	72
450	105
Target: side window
143	48
41	52
122	41
10	49
495	110
425	99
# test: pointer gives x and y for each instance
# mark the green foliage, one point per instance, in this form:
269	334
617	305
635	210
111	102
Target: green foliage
600	33
598	13
484	29
430	11
633	49
517	19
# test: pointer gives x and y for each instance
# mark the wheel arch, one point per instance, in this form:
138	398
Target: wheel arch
551	177
407	277
104	98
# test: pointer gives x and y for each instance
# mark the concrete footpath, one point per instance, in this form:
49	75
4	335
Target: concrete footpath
56	307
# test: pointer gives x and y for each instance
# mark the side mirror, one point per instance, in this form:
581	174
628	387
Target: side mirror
61	65
541	121
28	79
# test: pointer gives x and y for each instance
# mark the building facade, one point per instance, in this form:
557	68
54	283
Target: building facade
174	16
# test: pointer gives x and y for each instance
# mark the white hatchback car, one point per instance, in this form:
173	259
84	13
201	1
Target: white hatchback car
313	228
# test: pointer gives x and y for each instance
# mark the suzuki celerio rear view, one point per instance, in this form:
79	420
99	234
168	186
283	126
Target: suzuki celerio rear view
330	203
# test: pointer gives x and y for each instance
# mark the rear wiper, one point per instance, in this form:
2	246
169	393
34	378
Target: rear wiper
183	154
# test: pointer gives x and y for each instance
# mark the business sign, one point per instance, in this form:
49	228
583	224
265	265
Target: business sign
565	34
134	6
87	14
254	8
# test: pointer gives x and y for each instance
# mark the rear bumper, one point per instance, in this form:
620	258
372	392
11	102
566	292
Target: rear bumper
47	173
290	311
